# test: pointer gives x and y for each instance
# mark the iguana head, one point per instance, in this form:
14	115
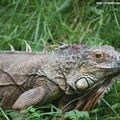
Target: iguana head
100	64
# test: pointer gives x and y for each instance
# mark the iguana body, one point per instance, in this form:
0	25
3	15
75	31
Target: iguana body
34	78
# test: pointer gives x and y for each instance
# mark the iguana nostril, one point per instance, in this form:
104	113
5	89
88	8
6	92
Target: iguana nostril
117	58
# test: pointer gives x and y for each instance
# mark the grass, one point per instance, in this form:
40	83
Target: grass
42	23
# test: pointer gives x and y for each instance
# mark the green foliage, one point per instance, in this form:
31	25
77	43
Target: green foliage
77	115
57	21
53	22
47	112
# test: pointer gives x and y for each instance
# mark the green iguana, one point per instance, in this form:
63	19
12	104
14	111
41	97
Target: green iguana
72	72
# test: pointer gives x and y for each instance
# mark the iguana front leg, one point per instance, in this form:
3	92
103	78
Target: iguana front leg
31	97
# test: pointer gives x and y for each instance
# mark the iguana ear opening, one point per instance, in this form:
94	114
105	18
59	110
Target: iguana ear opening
31	97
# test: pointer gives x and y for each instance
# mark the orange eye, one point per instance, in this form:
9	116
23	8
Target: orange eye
98	55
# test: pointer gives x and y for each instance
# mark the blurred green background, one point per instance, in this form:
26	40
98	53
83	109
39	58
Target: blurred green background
54	22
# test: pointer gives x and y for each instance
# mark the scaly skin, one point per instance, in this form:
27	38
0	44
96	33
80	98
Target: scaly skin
74	71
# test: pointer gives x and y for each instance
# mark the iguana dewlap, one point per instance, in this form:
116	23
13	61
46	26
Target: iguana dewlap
35	78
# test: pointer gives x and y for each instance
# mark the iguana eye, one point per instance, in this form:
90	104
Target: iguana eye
98	55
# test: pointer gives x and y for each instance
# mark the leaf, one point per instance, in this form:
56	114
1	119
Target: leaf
95	110
36	114
15	115
75	114
31	109
116	106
